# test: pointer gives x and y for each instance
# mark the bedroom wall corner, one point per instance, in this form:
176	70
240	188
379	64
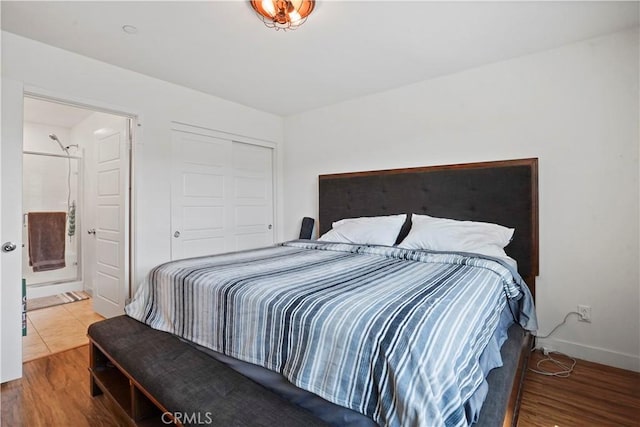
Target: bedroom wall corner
576	109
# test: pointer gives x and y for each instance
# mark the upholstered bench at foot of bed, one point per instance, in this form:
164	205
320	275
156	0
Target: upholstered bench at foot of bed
186	381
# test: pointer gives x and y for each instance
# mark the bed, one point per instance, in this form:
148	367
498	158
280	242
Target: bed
363	334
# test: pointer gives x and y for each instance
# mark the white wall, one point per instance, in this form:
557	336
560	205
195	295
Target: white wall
156	102
36	138
66	75
576	109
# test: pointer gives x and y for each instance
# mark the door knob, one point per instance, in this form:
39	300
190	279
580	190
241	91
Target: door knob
270	227
176	234
91	231
8	246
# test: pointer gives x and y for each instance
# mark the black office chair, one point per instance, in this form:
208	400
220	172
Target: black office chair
307	228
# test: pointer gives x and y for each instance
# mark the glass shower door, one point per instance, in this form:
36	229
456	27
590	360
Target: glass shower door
51	184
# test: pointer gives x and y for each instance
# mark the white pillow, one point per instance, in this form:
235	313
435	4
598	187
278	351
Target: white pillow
442	234
377	230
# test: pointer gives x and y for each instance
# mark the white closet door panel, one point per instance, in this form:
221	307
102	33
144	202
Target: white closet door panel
252	199
202	185
203	150
205	246
252	158
249	216
221	194
250	188
202	218
198	192
252	240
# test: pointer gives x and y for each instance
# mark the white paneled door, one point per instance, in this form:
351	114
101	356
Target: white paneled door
221	195
111	286
11	231
250	207
198	194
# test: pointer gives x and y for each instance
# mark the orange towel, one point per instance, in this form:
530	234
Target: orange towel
46	240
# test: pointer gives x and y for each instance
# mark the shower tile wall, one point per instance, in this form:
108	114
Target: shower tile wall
36	138
45	189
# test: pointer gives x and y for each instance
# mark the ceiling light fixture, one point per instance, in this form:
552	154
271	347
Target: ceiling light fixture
282	14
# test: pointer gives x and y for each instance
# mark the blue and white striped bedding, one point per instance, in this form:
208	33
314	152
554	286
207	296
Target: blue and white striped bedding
392	333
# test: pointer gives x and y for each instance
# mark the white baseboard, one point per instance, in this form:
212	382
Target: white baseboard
627	361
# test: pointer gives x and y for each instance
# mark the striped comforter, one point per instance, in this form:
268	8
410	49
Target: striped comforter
392	333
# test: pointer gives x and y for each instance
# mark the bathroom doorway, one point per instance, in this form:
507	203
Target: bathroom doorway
76	221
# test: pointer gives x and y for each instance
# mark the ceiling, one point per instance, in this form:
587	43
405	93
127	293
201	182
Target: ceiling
346	49
53	113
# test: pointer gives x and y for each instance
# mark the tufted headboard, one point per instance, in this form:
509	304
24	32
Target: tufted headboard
502	192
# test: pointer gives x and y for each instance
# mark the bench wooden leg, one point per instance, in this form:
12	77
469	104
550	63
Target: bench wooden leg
94	362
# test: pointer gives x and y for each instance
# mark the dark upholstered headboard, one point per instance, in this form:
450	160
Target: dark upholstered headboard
502	192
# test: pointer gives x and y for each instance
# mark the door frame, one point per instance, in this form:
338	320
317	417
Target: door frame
233	137
12	369
134	124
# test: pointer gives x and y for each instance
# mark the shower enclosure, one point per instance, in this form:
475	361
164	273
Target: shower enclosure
51	184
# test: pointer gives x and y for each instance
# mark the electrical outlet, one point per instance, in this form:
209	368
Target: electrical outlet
585	313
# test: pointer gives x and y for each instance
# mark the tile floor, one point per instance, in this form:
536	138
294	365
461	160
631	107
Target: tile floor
54	329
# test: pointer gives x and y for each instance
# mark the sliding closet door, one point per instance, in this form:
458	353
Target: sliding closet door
221	195
200	165
251	202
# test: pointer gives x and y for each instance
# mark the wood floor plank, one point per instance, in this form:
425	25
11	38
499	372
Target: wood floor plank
594	395
54	391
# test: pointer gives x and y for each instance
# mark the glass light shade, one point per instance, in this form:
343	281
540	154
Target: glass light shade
281	14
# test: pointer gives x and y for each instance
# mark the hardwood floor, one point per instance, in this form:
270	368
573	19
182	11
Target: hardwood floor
594	395
55	392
